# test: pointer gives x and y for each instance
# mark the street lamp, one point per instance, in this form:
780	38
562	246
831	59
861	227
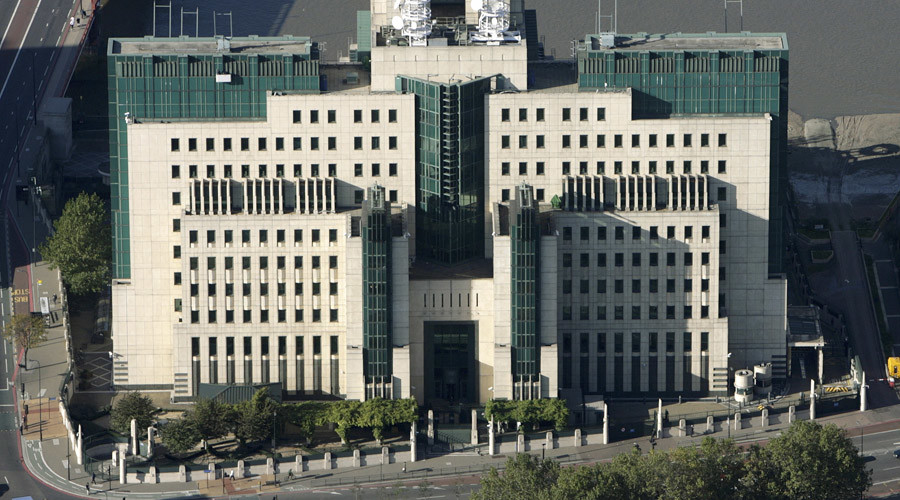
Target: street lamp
274	414
543	447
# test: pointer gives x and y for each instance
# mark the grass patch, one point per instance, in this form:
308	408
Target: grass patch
822	254
865	228
883	332
815	234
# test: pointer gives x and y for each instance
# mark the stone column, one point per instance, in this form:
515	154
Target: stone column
737	420
122	479
182	474
863	404
356	458
298	465
134	441
430	430
241	470
326	462
412	439
812	399
792	410
710	426
270	466
682	425
79	447
153	475
659	419
211	471
605	423
765	418
520	443
491	438
385	455
549	440
577	438
149	442
474	427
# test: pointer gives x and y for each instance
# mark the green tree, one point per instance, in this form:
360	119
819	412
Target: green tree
556	411
133	405
180	435
82	246
344	415
708	472
208	417
25	331
807	462
526	477
251	421
376	414
306	416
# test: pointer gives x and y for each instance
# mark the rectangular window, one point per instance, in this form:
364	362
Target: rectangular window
583	114
704	140
567	260
357	170
504	195
261	144
617	140
620	233
654	259
670	167
687	140
176	198
539	194
635	167
523	114
654	285
654	232
504	141
619	259
375	116
617	168
721	194
504	115
670	140
392	116
670	232
567	114
635	140
636	259
376	170
226	144
601	286
704	166
670	259
392	169
567	141
687	166
176	145
332	116
392	142
723	221
245	144
601	233
722	166
566	168
314	143
601	167
539	114
601	260
296	116
176	172
314	116
504	168
635	286
583	141
298	143
332	143
539	167
651	167
523	168
523	142
376	142
539	142
601	114
723	140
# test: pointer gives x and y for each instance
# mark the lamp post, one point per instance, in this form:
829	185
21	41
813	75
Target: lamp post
543	447
274	414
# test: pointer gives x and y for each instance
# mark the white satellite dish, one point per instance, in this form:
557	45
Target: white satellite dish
397	4
397	22
477	4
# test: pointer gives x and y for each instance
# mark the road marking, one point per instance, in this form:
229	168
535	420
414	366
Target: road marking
892	468
10	24
886	482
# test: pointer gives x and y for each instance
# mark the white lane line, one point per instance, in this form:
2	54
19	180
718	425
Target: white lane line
892	468
10	24
886	482
19	50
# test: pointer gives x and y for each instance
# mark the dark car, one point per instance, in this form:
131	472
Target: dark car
896	453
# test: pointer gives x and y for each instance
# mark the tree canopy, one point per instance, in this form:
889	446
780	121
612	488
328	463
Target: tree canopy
133	405
806	462
25	331
82	246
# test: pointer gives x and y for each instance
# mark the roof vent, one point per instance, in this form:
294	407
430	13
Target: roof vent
607	40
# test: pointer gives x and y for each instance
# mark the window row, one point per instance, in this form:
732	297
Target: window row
262	170
617	340
263	261
635	167
263	289
263	316
262	237
565	114
314	144
583	313
636	259
687	286
584	232
599	140
374	116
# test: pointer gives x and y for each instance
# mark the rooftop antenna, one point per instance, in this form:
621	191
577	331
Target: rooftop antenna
741	5
414	21
158	4
613	18
196	14
230	24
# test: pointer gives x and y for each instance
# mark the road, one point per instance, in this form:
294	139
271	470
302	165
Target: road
31	31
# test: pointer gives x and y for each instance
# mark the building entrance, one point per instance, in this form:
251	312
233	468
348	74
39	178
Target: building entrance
450	370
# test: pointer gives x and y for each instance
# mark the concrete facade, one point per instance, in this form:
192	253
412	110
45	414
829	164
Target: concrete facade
248	265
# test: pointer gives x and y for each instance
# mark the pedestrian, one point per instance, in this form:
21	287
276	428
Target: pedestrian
93	478
231	474
72	22
290	474
88	488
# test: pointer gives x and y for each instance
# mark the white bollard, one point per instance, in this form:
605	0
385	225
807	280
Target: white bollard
474	427
430	430
605	423
79	448
765	417
134	440
710	426
122	474
659	419
412	441
863	403
812	399
792	414
491	437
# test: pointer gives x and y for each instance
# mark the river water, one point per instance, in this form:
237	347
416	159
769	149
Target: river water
844	54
